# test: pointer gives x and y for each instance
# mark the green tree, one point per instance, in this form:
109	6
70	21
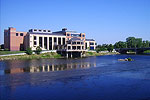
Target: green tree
29	51
138	42
38	50
131	42
120	44
110	48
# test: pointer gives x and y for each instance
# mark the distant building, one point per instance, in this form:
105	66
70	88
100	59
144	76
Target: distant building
90	44
68	43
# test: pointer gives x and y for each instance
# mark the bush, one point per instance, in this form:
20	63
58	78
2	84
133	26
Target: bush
29	51
38	50
6	49
129	59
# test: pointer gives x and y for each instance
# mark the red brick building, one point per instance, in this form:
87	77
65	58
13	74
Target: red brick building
14	40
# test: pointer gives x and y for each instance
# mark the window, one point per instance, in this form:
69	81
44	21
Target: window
34	42
21	34
69	47
45	42
75	35
74	47
35	30
83	35
40	30
82	43
59	41
64	41
16	34
44	30
49	31
91	43
78	42
82	47
73	42
55	39
34	37
40	41
78	47
50	43
68	34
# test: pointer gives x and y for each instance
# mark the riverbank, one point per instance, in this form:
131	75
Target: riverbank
48	55
33	56
100	54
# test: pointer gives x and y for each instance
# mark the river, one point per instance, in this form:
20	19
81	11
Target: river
91	78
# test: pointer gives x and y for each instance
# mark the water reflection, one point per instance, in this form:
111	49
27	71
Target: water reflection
48	68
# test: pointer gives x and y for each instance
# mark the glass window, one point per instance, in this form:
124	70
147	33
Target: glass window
69	47
49	31
21	34
16	34
44	30
55	39
34	37
73	42
74	47
78	42
83	35
35	30
68	34
91	43
40	30
34	42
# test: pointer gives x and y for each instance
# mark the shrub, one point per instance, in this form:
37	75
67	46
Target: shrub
29	51
129	59
38	50
6	49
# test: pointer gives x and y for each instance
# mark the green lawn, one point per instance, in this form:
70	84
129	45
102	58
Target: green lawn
10	52
147	51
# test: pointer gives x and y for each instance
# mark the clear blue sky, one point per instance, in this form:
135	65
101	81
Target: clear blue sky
106	21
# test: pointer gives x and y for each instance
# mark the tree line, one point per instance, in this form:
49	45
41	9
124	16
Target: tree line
131	42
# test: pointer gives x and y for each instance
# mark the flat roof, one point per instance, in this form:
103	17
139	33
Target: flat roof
47	34
89	40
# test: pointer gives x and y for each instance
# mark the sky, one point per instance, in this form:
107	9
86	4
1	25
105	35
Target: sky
106	21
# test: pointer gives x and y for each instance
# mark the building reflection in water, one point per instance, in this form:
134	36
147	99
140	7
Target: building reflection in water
52	67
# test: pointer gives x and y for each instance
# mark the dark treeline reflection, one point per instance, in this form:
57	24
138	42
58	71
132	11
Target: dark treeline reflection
48	68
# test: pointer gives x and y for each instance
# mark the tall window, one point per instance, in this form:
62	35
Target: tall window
34	37
64	41
50	43
55	39
34	42
59	41
40	41
45	42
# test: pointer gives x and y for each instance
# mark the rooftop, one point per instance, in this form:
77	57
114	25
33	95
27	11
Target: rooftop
89	40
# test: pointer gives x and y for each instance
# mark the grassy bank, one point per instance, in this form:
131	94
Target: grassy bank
33	56
10	52
147	51
47	55
99	54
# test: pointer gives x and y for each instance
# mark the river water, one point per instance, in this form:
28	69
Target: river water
91	78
